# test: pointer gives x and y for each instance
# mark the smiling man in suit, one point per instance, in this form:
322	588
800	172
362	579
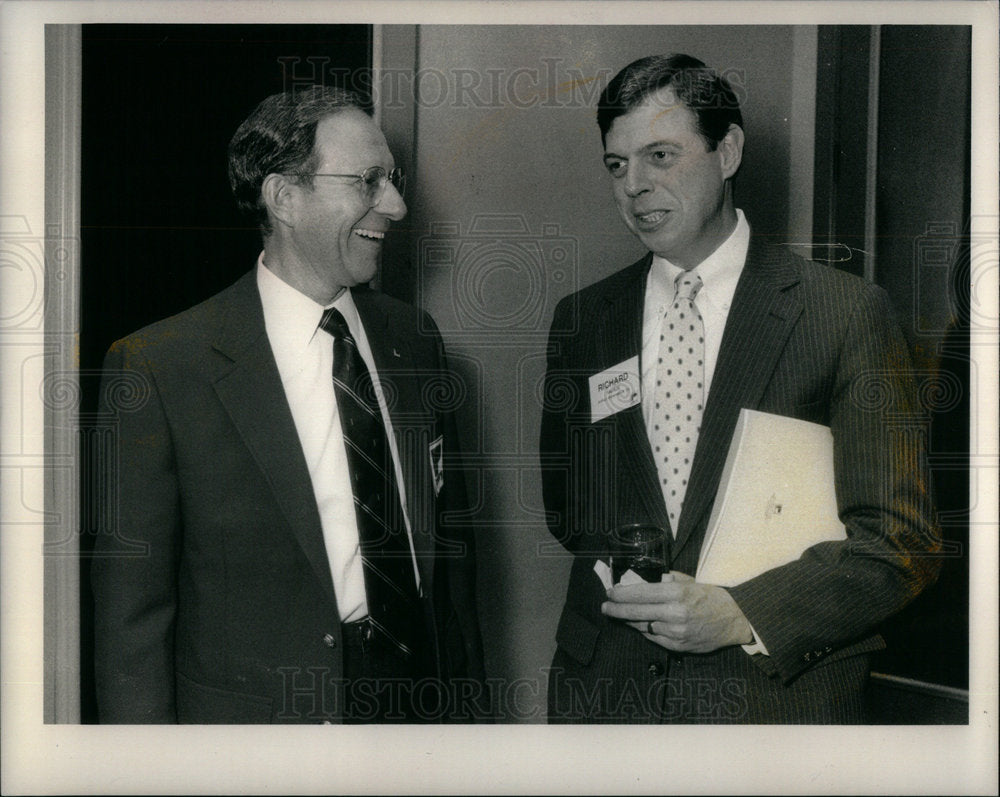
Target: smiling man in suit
285	473
709	322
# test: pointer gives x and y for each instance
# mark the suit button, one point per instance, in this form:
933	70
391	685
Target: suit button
656	668
329	641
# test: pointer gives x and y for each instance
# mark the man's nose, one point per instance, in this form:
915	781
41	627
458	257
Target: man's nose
391	205
636	180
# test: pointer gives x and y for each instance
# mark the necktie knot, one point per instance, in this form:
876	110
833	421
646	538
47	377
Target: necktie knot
687	285
335	323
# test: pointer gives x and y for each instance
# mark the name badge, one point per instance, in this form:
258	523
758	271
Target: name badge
436	451
615	389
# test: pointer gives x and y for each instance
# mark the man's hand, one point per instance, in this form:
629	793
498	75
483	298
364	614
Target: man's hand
684	615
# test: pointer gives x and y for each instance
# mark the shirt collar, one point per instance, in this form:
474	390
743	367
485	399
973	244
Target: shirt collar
292	317
719	272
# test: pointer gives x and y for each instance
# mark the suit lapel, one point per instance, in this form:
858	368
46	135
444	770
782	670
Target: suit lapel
249	387
619	337
763	314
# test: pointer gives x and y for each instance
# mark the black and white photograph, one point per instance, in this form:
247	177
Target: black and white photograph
459	372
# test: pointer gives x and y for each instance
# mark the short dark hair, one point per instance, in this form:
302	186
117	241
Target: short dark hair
706	93
279	137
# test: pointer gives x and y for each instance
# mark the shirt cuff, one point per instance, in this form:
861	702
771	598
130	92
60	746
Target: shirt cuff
757	646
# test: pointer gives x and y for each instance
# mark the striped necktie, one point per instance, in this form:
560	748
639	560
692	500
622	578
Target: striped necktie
390	583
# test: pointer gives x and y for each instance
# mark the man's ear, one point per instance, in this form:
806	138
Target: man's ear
278	194
730	151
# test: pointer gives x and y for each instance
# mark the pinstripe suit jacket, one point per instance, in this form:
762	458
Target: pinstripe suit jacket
214	598
802	340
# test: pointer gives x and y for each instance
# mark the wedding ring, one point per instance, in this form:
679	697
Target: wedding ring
649	627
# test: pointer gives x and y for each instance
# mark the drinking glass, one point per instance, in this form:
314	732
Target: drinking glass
639	547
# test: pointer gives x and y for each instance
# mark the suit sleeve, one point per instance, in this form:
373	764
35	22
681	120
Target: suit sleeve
559	396
455	572
134	571
837	592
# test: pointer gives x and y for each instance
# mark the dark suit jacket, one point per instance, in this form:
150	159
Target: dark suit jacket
214	598
802	340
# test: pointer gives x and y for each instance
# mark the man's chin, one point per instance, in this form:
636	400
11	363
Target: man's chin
364	276
660	245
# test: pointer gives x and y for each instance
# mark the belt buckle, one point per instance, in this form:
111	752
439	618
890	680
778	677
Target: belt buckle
366	631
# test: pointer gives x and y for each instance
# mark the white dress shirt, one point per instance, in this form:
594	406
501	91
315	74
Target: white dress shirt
304	355
719	272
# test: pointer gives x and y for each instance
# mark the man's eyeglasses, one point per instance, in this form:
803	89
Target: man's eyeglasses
373	180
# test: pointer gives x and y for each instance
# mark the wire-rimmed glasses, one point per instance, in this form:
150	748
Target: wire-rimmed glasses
373	181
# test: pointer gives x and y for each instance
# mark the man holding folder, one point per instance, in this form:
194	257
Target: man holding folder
712	321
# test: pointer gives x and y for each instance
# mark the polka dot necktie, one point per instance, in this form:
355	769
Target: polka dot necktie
390	584
679	395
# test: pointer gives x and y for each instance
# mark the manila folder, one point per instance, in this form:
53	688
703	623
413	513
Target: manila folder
776	498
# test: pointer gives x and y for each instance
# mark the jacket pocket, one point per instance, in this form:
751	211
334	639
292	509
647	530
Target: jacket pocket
577	636
208	705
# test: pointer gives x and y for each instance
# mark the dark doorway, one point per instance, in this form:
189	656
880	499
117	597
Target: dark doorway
894	105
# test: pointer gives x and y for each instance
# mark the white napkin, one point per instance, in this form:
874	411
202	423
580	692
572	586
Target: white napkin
604	573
